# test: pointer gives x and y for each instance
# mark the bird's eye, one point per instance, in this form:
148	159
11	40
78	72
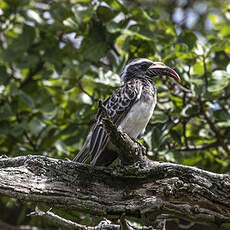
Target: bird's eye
144	65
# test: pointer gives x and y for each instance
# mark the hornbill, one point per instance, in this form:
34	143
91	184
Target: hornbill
130	108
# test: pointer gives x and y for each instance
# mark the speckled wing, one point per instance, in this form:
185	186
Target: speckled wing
117	105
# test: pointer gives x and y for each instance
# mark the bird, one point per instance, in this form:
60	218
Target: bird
130	108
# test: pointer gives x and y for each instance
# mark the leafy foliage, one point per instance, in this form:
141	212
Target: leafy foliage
58	58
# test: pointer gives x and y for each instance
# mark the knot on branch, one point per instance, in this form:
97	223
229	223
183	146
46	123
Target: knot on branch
130	150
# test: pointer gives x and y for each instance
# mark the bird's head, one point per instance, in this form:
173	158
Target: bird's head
143	67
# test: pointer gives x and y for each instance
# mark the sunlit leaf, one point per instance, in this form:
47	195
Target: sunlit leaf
220	80
158	117
198	68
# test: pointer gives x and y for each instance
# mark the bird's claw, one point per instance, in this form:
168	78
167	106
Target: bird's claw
139	146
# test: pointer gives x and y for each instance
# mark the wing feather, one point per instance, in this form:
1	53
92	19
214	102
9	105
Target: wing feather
117	106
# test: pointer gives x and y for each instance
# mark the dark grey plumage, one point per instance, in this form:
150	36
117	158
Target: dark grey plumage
130	108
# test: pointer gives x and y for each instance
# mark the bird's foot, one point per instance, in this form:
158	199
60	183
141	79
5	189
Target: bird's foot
139	146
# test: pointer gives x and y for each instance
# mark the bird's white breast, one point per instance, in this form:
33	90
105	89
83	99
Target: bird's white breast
138	117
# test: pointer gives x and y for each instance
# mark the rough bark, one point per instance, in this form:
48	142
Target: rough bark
141	191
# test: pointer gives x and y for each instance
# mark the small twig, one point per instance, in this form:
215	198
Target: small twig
57	219
197	147
181	87
30	141
205	74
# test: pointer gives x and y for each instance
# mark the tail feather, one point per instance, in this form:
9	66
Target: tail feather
106	158
83	156
95	143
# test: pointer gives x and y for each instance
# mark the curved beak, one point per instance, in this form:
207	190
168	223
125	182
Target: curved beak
162	69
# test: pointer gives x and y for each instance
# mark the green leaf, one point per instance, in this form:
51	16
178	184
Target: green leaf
93	52
148	139
222	59
106	13
36	126
20	45
113	27
187	57
168	27
70	129
190	110
197	85
48	107
166	106
28	61
156	133
16	3
4	77
13	89
224	30
26	99
141	15
175	135
159	136
115	4
188	37
27	37
177	100
5	111
174	156
138	32
49	137
60	12
219	80
158	117
198	68
18	130
83	13
193	160
223	124
221	115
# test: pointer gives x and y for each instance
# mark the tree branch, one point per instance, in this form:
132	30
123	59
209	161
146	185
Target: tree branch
197	147
57	219
130	150
140	193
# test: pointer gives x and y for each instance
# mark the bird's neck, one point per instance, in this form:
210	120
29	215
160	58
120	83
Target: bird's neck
148	90
146	80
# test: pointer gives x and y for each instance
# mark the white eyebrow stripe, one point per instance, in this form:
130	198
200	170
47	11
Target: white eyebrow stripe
123	73
159	63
